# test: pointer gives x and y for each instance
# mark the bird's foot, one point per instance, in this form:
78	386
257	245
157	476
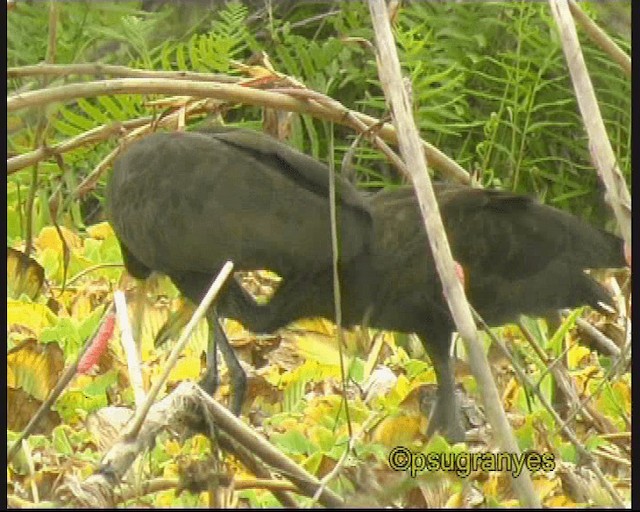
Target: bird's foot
446	419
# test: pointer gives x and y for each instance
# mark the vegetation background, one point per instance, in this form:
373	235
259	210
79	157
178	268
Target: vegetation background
490	89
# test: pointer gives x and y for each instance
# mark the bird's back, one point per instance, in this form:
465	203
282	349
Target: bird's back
519	256
190	201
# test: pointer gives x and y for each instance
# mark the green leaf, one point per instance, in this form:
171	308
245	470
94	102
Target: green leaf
61	441
294	443
94	112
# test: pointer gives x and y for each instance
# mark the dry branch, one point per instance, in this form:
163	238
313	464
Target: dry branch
198	314
97	69
600	37
187	407
409	142
563	424
328	109
605	344
604	159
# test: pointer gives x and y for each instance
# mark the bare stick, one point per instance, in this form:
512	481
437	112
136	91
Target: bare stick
600	37
605	344
97	69
563	425
245	436
186	407
226	92
617	195
55	393
200	311
410	148
337	298
102	133
95	135
129	345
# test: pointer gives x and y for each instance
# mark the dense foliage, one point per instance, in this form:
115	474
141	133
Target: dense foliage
489	81
490	89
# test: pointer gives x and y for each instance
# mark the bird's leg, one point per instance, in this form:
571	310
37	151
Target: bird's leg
445	416
237	376
292	300
211	378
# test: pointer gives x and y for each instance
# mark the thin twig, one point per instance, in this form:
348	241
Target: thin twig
89	182
337	299
93	136
90	269
167	484
245	436
248	458
97	69
190	407
606	380
558	371
41	132
129	345
343	458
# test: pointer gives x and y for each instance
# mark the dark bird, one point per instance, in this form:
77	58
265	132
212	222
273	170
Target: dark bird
184	203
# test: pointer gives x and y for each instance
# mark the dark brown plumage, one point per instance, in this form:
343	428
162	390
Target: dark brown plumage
184	203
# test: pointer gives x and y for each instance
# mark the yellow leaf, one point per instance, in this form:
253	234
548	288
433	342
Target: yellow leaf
317	411
153	319
290	424
166	499
160	326
82	381
511	504
171	470
34	316
492	485
455	501
100	231
24	274
82	306
199	443
559	501
35	367
49	238
545	486
584	375
233	328
510	395
403	387
318	348
318	325
185	368
66	299
86	471
624	391
576	354
397	430
11	377
172	448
